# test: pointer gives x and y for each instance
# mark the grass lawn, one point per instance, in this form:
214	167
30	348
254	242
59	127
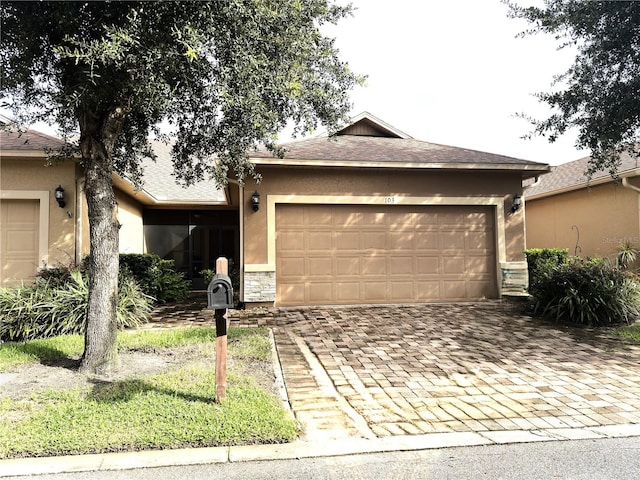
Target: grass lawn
631	332
168	410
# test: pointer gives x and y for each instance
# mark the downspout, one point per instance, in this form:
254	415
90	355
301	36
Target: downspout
241	228
78	219
626	184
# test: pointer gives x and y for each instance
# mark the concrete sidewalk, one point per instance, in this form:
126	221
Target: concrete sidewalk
364	379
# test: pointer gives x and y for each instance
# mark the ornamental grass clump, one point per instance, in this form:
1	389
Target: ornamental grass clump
51	307
586	292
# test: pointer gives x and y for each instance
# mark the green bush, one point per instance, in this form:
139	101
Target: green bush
157	277
587	292
49	308
542	259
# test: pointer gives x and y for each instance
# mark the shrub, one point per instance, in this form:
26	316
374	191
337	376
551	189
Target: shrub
587	292
49	308
157	277
542	259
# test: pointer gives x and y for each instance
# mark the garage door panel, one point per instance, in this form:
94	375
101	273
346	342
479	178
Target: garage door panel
374	240
479	241
22	241
480	265
375	218
291	217
375	291
291	241
318	217
401	291
320	266
452	219
454	289
19	240
427	240
346	241
401	240
453	265
348	292
452	239
401	265
428	265
382	254
293	292
292	266
320	292
374	266
348	266
319	241
478	289
428	290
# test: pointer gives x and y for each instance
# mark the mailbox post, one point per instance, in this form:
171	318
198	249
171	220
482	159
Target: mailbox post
220	297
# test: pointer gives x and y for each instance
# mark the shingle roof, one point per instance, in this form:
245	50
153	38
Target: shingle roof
382	150
571	176
369	142
29	140
160	182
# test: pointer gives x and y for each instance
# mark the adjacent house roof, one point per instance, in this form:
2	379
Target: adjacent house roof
160	186
31	140
570	176
366	142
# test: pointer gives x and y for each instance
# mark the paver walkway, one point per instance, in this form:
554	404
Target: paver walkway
377	371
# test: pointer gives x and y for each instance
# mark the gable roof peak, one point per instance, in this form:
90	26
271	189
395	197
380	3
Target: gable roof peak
367	125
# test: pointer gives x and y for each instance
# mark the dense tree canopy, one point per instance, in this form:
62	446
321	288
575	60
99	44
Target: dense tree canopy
600	93
224	75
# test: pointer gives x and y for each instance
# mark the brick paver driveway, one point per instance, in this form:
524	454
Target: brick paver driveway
414	369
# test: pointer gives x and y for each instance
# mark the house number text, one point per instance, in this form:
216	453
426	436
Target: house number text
389	200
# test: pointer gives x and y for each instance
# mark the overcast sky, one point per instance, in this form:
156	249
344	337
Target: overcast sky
453	72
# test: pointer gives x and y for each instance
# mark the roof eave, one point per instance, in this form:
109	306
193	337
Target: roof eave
581	185
146	198
535	168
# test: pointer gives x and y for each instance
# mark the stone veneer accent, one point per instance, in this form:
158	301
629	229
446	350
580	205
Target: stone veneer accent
259	286
515	278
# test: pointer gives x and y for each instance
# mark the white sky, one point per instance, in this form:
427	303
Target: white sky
452	72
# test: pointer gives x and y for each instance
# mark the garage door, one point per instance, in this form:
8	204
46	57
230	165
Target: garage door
19	233
329	254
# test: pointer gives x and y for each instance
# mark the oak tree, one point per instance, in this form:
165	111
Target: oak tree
600	93
223	76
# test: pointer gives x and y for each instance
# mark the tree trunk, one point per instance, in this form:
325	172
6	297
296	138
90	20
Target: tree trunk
98	136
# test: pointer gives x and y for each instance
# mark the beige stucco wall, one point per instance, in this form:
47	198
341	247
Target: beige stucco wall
131	228
381	184
32	174
604	216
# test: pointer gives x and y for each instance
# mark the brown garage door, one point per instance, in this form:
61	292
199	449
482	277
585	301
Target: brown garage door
384	254
19	229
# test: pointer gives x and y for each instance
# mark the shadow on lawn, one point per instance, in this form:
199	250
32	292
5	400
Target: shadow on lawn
125	390
46	355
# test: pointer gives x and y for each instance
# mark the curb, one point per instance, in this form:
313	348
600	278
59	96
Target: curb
300	449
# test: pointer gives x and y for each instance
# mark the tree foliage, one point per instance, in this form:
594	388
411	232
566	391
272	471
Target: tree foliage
600	93
224	75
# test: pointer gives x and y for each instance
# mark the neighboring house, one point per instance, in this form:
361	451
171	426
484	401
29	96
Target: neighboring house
369	215
589	218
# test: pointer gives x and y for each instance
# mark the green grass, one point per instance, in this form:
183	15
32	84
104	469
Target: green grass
13	354
631	332
171	410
